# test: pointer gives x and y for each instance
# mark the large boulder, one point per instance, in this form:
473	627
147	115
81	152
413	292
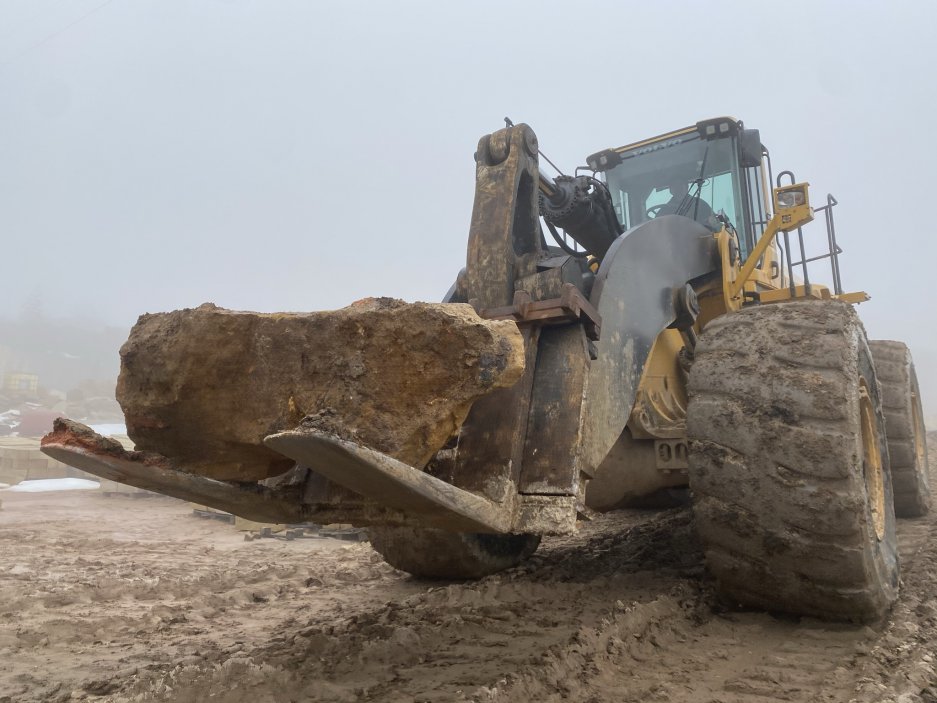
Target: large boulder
204	386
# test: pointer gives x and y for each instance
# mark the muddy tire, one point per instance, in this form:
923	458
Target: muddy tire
789	463
437	554
904	425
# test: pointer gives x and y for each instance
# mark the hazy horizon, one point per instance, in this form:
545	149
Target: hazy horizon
298	156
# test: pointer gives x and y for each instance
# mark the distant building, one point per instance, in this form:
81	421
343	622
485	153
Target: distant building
21	383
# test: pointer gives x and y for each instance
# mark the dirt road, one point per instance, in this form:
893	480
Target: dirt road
120	599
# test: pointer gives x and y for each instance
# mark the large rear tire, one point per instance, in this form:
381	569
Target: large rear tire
437	554
904	424
789	463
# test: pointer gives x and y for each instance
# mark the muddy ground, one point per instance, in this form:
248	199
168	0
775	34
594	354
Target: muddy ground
123	599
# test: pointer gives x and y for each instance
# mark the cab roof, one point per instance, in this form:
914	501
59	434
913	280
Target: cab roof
680	132
711	128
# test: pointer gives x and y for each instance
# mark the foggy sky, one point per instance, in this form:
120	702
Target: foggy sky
273	155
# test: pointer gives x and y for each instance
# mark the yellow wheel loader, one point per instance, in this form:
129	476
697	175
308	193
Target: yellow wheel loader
674	342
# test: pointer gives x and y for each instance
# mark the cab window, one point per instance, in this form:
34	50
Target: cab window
657	178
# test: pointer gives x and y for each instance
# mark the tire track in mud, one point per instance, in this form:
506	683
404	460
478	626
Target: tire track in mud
111	603
902	664
742	657
453	642
621	612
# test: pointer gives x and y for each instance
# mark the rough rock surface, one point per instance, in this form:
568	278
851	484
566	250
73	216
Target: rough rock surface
204	386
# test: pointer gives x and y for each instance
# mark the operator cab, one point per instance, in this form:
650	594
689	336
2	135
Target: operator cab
710	172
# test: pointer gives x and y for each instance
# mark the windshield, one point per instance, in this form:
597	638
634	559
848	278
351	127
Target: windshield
684	175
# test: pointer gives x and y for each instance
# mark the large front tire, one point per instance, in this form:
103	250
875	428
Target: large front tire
437	554
789	462
904	424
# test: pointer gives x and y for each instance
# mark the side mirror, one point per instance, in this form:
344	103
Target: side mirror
750	148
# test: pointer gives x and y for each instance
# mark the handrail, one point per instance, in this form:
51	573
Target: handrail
769	235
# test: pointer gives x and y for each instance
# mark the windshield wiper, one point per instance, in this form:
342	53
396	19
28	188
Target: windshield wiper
694	197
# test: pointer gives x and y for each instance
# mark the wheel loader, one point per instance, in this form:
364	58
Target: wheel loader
676	339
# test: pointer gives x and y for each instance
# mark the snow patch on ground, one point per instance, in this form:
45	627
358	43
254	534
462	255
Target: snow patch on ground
44	485
110	429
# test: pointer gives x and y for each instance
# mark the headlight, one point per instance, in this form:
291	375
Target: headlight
791	198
